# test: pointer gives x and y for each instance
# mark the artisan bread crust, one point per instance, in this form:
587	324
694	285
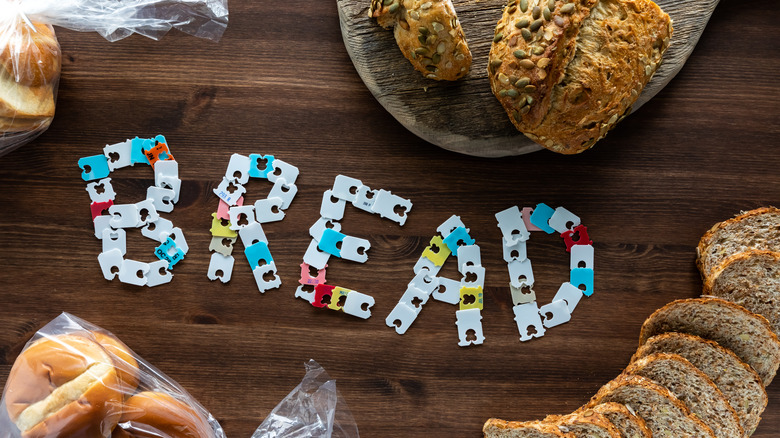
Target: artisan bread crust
586	65
759	292
719	233
606	392
691	386
732	376
429	35
618	413
587	423
496	428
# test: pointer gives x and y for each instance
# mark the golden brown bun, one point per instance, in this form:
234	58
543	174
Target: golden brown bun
32	57
64	386
22	102
125	363
156	414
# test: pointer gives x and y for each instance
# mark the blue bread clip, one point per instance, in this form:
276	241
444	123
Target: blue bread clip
330	240
457	235
255	253
94	167
540	217
256	172
582	277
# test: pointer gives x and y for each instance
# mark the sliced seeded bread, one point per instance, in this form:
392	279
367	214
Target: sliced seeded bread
755	229
748	335
739	383
693	388
750	279
663	413
585	424
495	428
629	425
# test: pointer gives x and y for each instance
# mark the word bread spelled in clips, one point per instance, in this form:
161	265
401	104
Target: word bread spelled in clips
234	218
328	241
516	226
111	220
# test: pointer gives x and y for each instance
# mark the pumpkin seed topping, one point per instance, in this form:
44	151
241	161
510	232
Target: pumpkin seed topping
522	82
536	25
520	54
521	23
568	8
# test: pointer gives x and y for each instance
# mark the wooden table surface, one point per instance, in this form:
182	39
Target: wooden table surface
280	82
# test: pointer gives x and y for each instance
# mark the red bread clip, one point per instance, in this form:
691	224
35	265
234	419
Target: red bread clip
98	208
320	292
306	277
157	153
583	237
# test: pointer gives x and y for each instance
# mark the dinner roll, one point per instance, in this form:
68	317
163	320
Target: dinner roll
156	414
64	386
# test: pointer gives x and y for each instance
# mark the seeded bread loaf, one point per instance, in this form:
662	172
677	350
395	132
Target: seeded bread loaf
748	335
755	229
663	413
739	382
750	279
567	72
629	425
429	35
495	428
585	424
693	388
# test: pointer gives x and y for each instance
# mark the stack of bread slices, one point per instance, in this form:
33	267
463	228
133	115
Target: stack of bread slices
702	364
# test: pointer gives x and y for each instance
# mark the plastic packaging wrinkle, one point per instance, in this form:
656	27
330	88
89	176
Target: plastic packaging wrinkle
314	409
110	390
30	56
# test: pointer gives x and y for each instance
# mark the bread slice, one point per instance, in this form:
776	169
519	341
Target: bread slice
748	335
495	428
663	413
750	279
629	425
18	100
693	388
739	383
755	229
585	424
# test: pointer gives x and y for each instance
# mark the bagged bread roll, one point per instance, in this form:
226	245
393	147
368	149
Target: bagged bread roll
30	60
30	57
75	380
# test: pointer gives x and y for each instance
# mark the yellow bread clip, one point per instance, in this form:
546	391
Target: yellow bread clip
338	292
219	230
469	293
437	251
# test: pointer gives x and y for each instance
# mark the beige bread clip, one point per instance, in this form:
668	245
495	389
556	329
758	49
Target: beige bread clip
567	72
429	35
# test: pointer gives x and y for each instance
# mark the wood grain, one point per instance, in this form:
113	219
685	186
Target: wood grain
281	82
464	116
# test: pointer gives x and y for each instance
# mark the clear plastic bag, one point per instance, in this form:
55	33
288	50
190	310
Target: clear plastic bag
30	57
314	409
76	380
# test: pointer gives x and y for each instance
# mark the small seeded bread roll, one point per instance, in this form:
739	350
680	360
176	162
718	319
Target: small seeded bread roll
585	424
663	413
755	229
156	414
64	387
739	382
629	425
752	280
124	362
567	72
693	388
429	35
31	55
748	335
495	428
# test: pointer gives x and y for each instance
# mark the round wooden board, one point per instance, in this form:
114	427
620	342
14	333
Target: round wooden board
464	116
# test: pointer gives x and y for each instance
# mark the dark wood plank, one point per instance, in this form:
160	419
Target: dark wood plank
281	82
464	116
